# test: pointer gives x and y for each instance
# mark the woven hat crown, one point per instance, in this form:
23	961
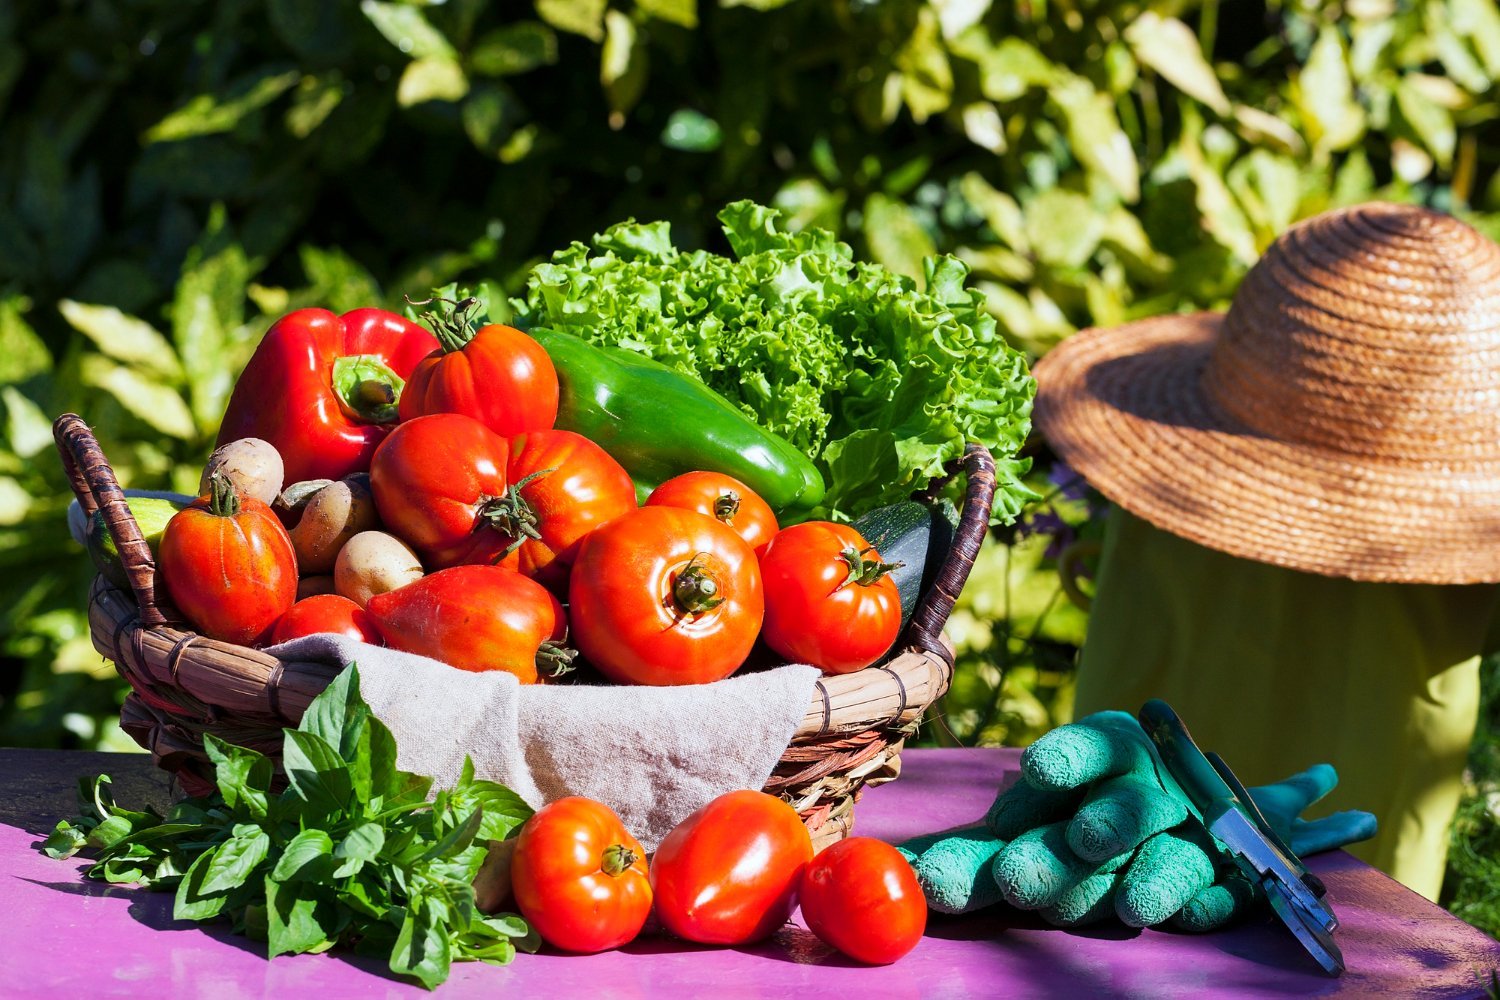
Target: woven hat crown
1372	331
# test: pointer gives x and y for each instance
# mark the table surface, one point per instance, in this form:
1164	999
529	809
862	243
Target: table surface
64	935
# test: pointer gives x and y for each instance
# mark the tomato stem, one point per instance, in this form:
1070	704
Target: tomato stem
694	590
727	505
864	571
617	860
223	498
450	320
554	659
511	515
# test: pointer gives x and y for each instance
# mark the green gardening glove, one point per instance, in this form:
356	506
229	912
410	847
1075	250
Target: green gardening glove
1090	831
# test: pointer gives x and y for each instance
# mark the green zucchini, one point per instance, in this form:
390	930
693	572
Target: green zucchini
151	514
918	536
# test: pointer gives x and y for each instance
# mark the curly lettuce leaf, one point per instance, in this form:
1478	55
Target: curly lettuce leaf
879	381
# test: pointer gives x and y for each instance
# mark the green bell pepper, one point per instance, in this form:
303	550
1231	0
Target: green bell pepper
659	424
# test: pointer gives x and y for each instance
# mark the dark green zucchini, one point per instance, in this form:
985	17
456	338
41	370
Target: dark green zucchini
916	535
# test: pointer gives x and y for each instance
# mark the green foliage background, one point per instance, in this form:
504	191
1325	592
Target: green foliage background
173	175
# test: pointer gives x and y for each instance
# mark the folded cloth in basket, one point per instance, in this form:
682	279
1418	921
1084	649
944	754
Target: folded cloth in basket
653	754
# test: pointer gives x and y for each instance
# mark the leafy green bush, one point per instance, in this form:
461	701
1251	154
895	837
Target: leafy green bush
173	175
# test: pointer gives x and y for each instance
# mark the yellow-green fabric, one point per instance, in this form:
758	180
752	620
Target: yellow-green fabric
1277	669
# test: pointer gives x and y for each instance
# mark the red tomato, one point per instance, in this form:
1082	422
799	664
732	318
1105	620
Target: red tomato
499	376
476	618
436	480
325	613
228	565
861	896
723	498
665	596
579	877
562	487
729	873
829	600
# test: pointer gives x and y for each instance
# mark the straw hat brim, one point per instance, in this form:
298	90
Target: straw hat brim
1123	407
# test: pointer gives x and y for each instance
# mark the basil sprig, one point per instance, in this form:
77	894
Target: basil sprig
352	853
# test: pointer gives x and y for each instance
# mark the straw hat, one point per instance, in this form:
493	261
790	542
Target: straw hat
1342	418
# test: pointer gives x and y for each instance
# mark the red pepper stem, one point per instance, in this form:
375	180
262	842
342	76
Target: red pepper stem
223	498
695	591
617	860
864	571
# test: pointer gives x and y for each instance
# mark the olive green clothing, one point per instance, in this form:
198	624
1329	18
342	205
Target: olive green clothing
1278	669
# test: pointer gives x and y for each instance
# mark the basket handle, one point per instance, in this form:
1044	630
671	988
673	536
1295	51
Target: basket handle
97	489
934	606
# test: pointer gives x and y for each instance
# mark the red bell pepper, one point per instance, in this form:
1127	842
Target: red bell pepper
324	389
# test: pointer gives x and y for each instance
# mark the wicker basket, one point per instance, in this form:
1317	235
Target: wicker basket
184	684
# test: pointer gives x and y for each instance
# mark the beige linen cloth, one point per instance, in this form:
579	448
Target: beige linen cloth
652	754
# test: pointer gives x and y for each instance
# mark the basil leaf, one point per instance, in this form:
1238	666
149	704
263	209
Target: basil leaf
307	857
242	776
503	809
422	947
110	832
360	846
191	902
292	925
338	714
236	859
315	772
64	841
460	837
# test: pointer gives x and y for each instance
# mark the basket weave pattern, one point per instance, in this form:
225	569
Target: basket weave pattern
184	685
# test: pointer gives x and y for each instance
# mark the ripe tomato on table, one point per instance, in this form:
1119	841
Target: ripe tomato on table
477	618
228	564
438	481
325	613
723	498
562	487
665	596
579	877
829	599
729	873
496	374
862	897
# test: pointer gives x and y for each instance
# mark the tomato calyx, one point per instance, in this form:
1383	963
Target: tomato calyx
862	571
726	505
553	659
367	389
450	320
511	515
223	498
695	590
617	860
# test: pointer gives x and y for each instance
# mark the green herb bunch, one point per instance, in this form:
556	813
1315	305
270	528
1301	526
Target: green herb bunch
352	853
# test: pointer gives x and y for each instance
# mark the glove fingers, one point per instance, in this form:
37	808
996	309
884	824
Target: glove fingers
913	848
954	870
1023	806
1088	902
1288	797
1096	746
1167	871
1037	868
1119	814
1348	827
1216	906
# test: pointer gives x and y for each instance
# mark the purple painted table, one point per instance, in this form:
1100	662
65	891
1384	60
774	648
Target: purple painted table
64	936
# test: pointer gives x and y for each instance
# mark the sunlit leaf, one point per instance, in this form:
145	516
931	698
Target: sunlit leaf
926	77
1063	228
680	12
691	131
580	17
1325	92
22	353
1170	47
207	114
407	28
312	102
895	237
1431	123
1095	136
984	127
159	406
622	65
123	337
434	78
27	428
